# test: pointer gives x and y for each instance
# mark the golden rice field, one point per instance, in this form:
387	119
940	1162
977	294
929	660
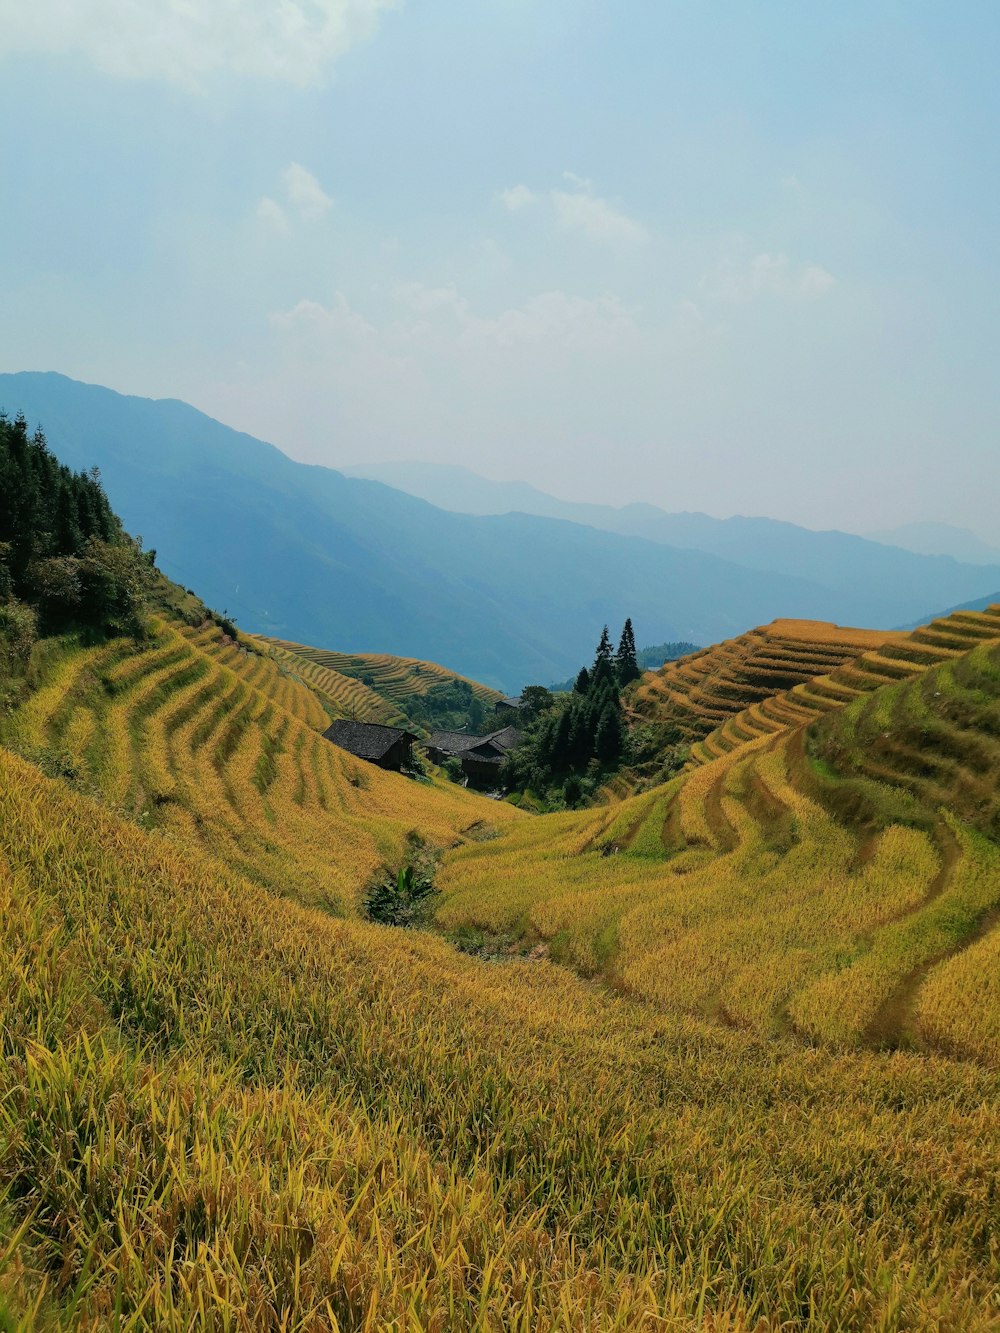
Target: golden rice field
807	884
697	693
221	1109
395	678
903	656
749	1082
343	696
195	736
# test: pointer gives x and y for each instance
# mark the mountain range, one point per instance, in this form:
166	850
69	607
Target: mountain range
310	554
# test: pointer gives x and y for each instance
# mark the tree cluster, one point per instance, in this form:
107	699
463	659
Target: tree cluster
63	551
580	735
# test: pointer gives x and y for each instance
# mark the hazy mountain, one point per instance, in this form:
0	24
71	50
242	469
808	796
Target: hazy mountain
857	566
978	604
940	539
309	554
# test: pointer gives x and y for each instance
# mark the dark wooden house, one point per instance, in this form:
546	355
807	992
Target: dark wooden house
480	756
389	747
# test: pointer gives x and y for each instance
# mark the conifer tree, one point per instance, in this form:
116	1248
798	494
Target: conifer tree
604	663
608	740
626	665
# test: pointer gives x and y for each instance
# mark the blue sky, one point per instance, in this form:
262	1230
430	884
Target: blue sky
738	257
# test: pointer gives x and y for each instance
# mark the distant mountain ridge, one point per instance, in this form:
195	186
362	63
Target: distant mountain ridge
307	554
839	561
940	539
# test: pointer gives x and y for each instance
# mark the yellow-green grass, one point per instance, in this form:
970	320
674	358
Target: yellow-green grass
217	745
220	1109
774	890
395	678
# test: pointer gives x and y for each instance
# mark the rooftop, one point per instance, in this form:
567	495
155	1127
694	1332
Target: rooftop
367	740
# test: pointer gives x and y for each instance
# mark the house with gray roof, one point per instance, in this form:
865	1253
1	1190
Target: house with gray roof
480	756
388	747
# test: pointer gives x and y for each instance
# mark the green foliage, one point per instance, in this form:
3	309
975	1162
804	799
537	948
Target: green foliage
18	634
405	899
62	549
626	664
575	737
648	659
449	706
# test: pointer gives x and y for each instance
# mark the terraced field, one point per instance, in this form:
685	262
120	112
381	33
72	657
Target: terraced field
342	696
696	694
394	678
226	1102
827	883
904	656
195	736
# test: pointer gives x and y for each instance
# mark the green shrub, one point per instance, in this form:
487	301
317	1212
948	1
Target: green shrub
401	900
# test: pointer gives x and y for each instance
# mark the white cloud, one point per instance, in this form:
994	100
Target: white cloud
270	212
580	209
739	280
305	194
516	198
304	197
438	322
186	42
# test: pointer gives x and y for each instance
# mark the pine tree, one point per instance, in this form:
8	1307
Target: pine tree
608	740
626	665
604	653
582	682
604	663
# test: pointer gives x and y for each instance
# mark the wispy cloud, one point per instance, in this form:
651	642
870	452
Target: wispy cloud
188	43
304	199
305	194
579	208
767	274
516	198
427	318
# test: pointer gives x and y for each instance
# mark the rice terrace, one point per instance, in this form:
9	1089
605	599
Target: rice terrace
499	667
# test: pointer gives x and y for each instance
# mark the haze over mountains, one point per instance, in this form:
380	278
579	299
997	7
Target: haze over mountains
310	554
838	560
940	539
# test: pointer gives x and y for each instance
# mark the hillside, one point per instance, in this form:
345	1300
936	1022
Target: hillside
308	555
690	697
407	688
194	736
242	1110
340	695
900	657
840	883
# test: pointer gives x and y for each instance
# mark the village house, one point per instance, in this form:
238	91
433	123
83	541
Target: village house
511	704
388	747
480	756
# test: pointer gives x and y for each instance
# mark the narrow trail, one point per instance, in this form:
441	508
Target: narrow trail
716	818
891	1026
